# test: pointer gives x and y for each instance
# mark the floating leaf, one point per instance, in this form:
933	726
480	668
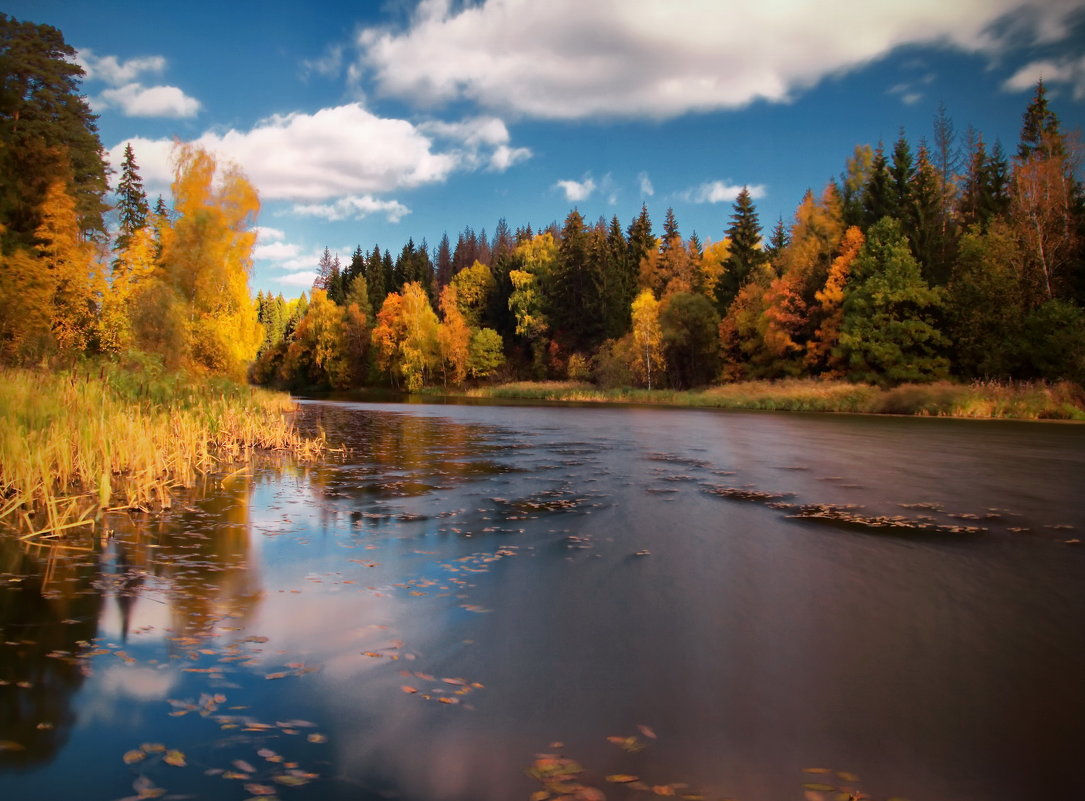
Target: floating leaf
621	778
11	745
259	789
233	774
290	780
646	731
175	758
241	764
820	787
845	776
317	738
153	748
131	757
541	795
408	688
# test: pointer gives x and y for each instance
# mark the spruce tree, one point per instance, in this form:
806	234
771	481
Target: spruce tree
132	208
745	252
877	198
1039	128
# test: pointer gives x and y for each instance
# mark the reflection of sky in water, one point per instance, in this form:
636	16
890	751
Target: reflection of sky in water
497	546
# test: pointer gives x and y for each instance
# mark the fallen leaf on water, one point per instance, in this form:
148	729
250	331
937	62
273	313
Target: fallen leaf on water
281	675
175	758
317	738
663	789
241	764
131	757
646	731
233	774
290	780
846	776
260	789
816	770
153	748
408	688
621	778
540	795
11	745
821	787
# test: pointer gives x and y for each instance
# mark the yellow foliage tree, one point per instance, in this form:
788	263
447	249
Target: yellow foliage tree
67	259
453	336
647	337
207	255
405	336
134	267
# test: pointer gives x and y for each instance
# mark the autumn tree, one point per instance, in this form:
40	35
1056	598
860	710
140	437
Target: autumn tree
405	337
485	353
821	348
207	255
647	338
67	260
473	288
453	338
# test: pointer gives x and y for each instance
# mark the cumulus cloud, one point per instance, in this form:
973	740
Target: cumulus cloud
639	58
575	191
303	278
1070	71
274	251
354	207
340	152
115	72
129	95
719	192
136	100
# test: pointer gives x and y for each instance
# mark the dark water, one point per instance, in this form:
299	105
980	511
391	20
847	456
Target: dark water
268	626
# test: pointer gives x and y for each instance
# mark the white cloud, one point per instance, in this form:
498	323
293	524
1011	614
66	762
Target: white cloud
642	58
575	191
719	192
303	278
266	234
504	157
646	188
330	64
1065	71
136	100
354	207
115	72
340	152
275	251
130	95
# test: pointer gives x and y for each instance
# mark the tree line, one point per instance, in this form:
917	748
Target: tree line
918	262
947	259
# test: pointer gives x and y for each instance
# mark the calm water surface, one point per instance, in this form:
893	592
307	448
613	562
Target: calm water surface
470	586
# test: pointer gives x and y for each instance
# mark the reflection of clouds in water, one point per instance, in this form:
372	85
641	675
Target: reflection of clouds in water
145	610
118	682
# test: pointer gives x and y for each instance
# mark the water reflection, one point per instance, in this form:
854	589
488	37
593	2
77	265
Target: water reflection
459	588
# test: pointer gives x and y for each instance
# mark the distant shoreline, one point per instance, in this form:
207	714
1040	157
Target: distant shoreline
1061	401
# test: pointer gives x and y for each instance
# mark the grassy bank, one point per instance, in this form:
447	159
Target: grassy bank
1019	400
105	435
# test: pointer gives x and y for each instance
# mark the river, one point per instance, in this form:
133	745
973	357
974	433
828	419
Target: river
710	604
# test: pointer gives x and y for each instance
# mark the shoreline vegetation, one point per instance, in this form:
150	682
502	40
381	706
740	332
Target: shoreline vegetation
107	436
1023	400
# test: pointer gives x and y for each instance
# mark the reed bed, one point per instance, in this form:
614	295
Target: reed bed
103	436
979	399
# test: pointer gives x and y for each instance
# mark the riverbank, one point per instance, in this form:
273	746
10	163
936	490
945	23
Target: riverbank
107	435
978	400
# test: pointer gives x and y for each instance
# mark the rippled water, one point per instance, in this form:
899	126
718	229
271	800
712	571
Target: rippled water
469	586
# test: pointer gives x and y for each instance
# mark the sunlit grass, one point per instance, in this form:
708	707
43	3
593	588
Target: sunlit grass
988	399
101	435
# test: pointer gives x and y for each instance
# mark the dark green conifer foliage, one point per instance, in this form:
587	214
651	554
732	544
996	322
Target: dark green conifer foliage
778	240
132	209
924	224
745	253
902	172
47	131
890	331
574	288
878	192
1040	128
621	281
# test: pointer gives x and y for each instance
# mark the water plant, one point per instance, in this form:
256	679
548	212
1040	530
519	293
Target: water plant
106	434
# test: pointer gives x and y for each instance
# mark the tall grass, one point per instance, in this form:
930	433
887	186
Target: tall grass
987	399
103	435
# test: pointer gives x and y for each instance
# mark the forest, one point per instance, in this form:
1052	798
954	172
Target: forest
924	260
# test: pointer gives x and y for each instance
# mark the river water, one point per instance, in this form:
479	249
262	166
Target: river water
724	605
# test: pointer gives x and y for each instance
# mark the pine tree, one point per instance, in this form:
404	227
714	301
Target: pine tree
746	253
1040	128
901	171
878	191
47	132
132	209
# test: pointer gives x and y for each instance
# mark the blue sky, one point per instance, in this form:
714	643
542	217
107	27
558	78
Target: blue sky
368	123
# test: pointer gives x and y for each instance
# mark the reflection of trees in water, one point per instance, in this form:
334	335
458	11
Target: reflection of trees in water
45	617
199	553
396	455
